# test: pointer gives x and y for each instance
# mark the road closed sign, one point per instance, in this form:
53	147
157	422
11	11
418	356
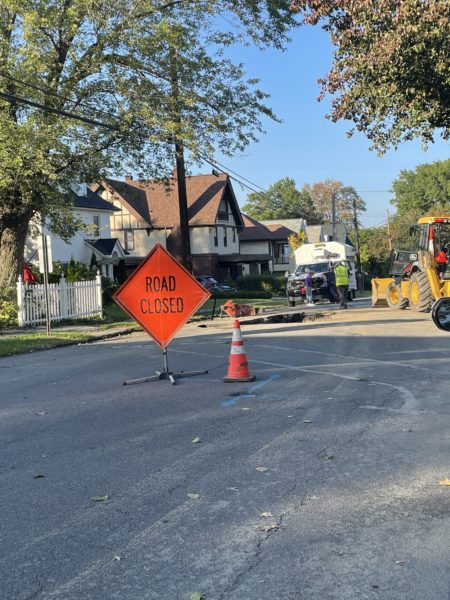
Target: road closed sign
161	295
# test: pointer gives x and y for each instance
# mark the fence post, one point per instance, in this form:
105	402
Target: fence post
20	302
63	303
98	280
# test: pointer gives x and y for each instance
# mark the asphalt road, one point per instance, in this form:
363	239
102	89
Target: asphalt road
343	439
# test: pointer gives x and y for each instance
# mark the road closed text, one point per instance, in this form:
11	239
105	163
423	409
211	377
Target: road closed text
165	305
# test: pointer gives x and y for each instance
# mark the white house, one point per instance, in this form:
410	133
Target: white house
94	242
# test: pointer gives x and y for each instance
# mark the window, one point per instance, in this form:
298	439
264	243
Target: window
225	238
96	221
234	234
281	254
223	210
216	241
129	240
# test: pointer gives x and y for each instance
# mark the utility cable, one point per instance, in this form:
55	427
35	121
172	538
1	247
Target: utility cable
57	111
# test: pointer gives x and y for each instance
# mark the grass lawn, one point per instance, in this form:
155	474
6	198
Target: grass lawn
113	316
30	342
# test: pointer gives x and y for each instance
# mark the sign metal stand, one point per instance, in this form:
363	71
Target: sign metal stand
165	374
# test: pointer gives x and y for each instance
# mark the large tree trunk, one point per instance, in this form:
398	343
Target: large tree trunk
13	233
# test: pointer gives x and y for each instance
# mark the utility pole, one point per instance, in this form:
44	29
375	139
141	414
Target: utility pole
388	231
46	289
360	281
333	212
186	257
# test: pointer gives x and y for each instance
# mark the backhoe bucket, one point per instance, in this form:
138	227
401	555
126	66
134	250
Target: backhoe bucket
379	291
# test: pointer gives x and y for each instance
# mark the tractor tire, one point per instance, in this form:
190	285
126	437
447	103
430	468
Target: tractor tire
420	296
394	297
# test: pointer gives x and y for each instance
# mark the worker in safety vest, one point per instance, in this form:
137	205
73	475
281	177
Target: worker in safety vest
341	274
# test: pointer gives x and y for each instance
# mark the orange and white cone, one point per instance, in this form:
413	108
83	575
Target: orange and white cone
238	369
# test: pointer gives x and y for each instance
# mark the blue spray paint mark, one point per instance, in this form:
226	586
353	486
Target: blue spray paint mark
250	394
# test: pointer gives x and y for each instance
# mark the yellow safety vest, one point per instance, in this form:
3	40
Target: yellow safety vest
341	274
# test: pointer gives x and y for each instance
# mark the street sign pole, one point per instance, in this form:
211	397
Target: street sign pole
46	290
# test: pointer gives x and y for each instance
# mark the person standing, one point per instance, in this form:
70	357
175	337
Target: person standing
309	288
341	274
442	262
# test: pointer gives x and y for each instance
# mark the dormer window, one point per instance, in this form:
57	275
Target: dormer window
223	211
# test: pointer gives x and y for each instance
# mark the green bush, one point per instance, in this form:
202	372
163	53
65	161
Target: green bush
108	289
244	294
78	271
8	308
266	283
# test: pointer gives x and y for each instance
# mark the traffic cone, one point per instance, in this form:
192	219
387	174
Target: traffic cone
238	368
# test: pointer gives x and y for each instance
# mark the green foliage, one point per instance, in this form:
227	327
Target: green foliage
8	308
108	288
265	283
78	271
281	201
422	191
156	70
391	69
244	294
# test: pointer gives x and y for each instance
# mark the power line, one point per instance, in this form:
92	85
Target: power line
57	111
56	95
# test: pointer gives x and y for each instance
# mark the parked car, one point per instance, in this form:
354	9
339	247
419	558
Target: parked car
213	285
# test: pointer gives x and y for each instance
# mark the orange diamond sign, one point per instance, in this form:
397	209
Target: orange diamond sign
161	295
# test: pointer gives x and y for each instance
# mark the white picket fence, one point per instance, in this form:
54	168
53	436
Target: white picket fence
67	301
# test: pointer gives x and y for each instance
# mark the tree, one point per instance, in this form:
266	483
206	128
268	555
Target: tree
424	190
85	88
347	201
281	201
391	68
296	240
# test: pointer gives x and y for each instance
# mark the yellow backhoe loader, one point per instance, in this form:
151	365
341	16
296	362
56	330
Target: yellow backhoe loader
416	279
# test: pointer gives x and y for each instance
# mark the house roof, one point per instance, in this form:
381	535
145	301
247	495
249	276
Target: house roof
106	246
316	233
157	203
93	201
255	231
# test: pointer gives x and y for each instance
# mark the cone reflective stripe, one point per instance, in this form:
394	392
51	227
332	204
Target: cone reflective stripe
238	369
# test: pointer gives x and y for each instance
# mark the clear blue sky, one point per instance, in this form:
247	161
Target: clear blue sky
308	147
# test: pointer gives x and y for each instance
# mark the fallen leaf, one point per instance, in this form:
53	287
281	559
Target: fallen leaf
233	489
314	497
147	568
100	498
445	482
262	469
306	421
244	408
194	496
117	558
43	412
39	476
326	456
196	440
198	596
265	515
401	562
269	527
290	416
330	398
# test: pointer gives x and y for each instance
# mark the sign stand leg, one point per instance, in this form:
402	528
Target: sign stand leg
165	374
